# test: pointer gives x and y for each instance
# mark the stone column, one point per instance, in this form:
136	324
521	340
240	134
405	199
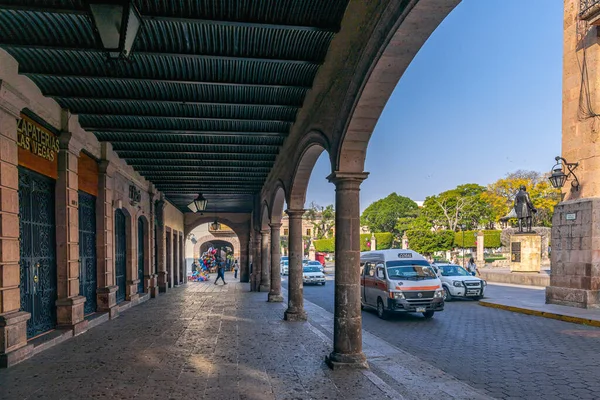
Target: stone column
265	250
13	323
347	321
312	252
404	242
373	242
107	290
275	291
69	303
150	274
480	249
169	256
131	238
244	261
175	262
295	310
256	261
162	257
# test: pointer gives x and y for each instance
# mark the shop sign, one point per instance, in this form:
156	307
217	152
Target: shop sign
37	140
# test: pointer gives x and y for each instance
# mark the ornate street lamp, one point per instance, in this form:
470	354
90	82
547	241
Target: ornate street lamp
215	226
117	23
199	204
558	177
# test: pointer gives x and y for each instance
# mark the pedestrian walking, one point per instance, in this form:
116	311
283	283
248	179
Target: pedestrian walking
472	267
221	272
235	269
455	261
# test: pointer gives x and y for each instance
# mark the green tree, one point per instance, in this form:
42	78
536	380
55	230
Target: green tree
322	219
462	205
428	242
383	215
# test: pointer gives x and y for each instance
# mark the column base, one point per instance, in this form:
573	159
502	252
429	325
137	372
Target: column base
275	298
295	316
264	288
107	301
70	315
13	339
565	296
346	361
152	285
162	282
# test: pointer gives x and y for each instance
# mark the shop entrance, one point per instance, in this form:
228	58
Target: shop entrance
37	250
120	253
141	249
87	251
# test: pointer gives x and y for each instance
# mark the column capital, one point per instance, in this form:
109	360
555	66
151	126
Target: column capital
265	232
342	177
298	213
106	167
275	225
66	142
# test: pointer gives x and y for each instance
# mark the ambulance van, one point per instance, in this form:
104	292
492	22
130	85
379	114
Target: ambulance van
399	281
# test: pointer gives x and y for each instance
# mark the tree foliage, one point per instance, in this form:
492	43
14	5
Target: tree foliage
428	242
384	214
463	205
322	219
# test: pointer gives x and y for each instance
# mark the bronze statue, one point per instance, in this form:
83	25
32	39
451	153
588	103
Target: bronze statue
524	209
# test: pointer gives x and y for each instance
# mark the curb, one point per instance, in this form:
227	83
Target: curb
543	314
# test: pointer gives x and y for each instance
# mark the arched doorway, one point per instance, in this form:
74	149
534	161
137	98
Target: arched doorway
140	257
87	251
120	254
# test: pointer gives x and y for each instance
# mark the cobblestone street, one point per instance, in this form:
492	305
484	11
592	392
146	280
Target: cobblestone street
205	341
508	355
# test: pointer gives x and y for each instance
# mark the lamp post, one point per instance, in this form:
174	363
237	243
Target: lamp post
462	228
558	177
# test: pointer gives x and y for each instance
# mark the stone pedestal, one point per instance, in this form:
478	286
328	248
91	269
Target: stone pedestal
107	300
525	252
152	282
404	242
480	248
13	339
69	314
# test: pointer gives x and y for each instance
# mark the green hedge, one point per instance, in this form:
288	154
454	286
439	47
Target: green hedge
424	241
491	239
383	241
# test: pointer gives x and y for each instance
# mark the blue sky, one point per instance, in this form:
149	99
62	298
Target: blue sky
488	80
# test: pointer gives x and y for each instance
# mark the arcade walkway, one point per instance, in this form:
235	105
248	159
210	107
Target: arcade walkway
218	342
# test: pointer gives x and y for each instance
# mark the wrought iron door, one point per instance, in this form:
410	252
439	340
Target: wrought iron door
141	255
37	250
120	252
88	281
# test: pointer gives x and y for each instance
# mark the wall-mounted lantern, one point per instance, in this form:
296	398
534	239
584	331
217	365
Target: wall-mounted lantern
558	176
117	23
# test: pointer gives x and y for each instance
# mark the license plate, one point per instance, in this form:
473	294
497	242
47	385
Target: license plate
420	309
473	293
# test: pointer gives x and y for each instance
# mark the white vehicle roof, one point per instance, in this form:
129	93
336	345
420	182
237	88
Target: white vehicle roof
391	255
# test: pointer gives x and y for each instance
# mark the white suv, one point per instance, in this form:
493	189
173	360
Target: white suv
457	282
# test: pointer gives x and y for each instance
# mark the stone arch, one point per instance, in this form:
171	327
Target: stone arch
233	241
312	147
277	201
397	48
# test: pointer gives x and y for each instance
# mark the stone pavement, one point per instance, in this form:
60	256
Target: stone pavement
533	302
202	341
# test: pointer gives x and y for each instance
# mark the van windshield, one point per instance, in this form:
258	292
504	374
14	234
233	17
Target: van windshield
410	270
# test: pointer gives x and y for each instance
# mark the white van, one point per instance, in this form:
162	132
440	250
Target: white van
399	281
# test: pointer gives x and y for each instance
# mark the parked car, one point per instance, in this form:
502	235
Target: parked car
311	274
399	281
284	267
315	264
457	282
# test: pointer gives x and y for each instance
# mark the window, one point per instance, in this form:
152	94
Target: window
285	232
369	269
308	232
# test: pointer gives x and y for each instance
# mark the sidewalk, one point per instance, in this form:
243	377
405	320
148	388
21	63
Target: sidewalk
532	301
202	341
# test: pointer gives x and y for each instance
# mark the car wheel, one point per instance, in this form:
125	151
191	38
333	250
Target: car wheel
323	283
428	314
381	313
447	295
